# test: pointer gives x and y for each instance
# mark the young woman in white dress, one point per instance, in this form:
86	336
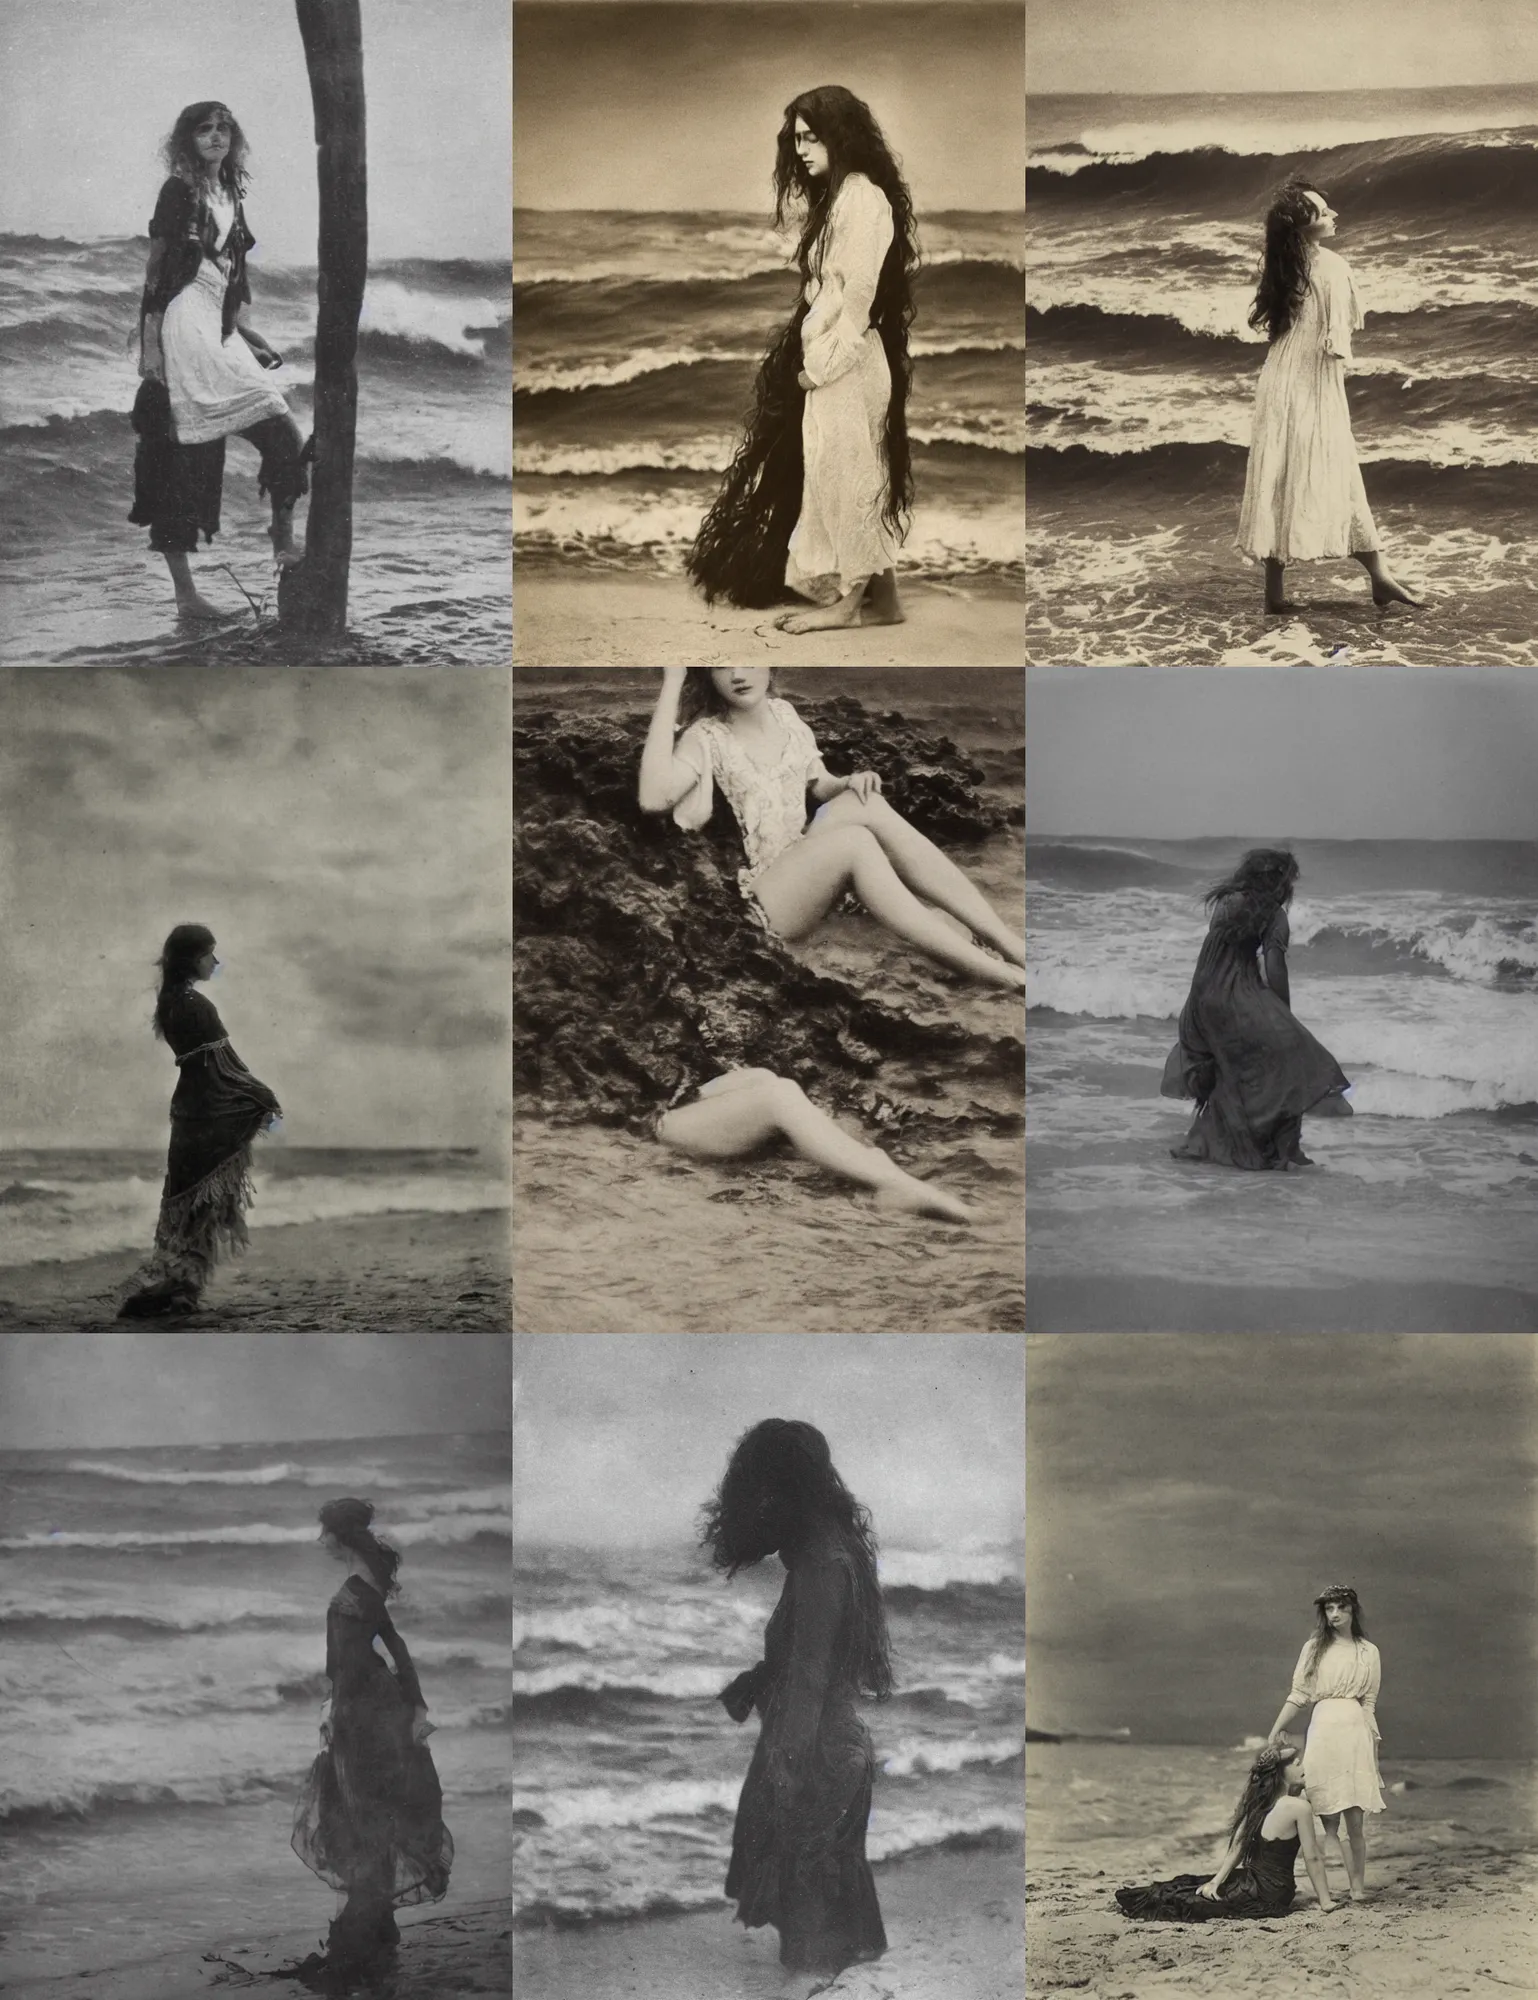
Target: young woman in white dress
1339	1673
818	496
1304	500
214	369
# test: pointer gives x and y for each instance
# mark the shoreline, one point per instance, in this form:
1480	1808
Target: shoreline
1142	1302
593	618
418	1271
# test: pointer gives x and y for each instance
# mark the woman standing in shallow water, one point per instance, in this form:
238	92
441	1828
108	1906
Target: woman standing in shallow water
1304	500
818	495
798	1849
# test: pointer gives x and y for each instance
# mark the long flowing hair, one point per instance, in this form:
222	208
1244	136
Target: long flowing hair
1262	1788
1263	883
177	964
1283	276
348	1519
780	1484
1323	1632
700	696
181	156
739	552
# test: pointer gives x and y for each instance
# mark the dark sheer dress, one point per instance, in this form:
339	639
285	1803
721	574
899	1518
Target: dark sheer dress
798	1851
1262	1886
1246	1058
370	1817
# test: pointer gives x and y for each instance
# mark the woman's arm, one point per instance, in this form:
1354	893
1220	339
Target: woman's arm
740	1697
1313	1860
819	1609
1370	1698
1226	1868
405	1672
862	783
665	778
1291	1710
859	236
151	360
1274	957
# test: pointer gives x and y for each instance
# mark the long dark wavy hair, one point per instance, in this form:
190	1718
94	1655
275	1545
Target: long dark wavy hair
348	1520
181	156
1322	1633
1284	266
779	1486
177	964
739	552
1263	883
1263	1787
701	698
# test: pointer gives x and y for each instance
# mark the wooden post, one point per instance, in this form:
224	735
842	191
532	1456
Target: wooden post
312	595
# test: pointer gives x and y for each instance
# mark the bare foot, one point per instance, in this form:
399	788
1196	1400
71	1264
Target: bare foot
881	605
1386	590
197	610
831	619
913	1197
1281	607
288	557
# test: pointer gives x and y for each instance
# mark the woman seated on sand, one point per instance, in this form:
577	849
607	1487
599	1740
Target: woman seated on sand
1255	1878
798	1848
1251	1065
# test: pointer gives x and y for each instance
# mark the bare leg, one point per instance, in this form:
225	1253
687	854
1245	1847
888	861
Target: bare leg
827	617
188	603
284	554
1331	1824
1386	589
739	1112
882	606
1276	596
1356	1865
928	871
799	889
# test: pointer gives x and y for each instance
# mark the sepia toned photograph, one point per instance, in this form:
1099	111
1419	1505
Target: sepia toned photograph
1283	290
767	397
1282	1052
255	331
254	1003
768	1707
1280	1642
768	968
254	1721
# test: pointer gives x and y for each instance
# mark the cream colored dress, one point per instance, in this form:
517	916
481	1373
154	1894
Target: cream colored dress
769	797
217	386
840	538
1303	492
1340	1753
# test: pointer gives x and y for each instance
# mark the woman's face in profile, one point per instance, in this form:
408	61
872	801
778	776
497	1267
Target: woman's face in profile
203	968
1324	221
810	150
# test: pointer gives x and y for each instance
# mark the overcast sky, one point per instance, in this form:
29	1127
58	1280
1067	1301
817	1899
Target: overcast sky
1190	1495
90	88
1376	753
619	1438
345	835
1252	45
676	106
187	1389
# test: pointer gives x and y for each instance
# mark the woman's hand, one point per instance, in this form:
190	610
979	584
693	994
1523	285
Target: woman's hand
804	381
864	784
421	1728
1209	1890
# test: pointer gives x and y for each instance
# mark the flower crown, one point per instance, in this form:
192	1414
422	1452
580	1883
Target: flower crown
1336	1593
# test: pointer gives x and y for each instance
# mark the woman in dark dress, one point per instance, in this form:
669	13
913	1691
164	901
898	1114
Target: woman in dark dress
1251	1065
798	1851
1271	1822
370	1817
217	1109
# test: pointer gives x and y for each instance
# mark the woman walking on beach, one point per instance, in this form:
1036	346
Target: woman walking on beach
1340	1673
818	495
369	1820
1251	1065
217	1109
1257	1876
798	1849
1304	500
201	383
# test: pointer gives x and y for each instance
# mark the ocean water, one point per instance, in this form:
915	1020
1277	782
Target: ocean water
627	1769
163	1613
1143	251
1415	963
431	520
639	340
62	1204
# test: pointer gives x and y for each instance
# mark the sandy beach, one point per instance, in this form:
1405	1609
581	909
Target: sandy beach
417	1273
953	1933
627	620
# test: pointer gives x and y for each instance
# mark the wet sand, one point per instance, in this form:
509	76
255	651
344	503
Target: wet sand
626	620
402	1273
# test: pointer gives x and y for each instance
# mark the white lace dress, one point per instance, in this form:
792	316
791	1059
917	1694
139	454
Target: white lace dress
217	386
1340	1753
768	797
1303	492
840	538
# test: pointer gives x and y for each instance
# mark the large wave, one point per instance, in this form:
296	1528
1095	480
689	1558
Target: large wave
253	1534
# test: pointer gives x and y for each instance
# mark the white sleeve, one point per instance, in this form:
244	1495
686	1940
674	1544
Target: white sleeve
805	745
1342	307
1374	1682
1302	1692
859	236
693	748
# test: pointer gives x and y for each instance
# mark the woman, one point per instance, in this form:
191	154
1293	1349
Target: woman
202	385
1256	1876
217	1109
1303	495
798	1850
370	1817
1251	1065
1340	1673
819	493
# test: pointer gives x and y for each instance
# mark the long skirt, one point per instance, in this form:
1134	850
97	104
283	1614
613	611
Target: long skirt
203	1202
840	538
